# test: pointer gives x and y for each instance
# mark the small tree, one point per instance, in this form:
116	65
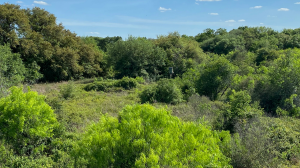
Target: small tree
215	78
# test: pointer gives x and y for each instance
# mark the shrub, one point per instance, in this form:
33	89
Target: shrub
67	91
240	110
144	136
140	80
166	91
99	86
25	117
126	83
148	95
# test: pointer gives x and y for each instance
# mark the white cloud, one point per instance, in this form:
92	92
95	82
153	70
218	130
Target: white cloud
94	33
230	21
261	23
297	3
256	7
196	3
163	9
242	20
40	2
19	2
207	0
213	13
283	9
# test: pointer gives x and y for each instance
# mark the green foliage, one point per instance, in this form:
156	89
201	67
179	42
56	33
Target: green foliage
25	118
215	78
148	94
12	70
68	90
46	46
136	57
182	53
240	111
267	142
279	82
145	136
127	83
168	92
165	91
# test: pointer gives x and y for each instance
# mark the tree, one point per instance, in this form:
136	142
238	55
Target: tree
52	50
12	69
207	34
279	82
136	57
13	24
215	78
182	53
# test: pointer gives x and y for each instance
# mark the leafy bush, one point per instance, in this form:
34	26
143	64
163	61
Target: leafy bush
144	136
127	83
99	86
140	80
25	117
166	91
148	95
68	90
267	142
240	110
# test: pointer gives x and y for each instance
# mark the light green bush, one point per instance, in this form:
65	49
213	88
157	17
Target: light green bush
25	117
143	136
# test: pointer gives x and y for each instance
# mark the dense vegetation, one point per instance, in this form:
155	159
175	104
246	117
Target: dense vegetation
233	100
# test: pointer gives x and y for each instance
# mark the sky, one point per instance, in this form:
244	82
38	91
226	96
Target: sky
150	18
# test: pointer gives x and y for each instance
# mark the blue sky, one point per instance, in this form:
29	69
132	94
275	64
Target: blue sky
149	18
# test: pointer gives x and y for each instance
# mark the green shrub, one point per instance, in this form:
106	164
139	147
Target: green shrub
148	95
140	80
239	109
166	91
266	142
67	91
99	86
25	117
143	136
127	83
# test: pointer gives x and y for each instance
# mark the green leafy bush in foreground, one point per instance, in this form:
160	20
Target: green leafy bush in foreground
25	118
143	136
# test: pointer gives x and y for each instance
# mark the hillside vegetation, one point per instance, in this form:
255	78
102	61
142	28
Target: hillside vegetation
70	101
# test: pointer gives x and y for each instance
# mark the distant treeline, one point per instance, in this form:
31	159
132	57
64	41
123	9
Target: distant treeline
49	52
